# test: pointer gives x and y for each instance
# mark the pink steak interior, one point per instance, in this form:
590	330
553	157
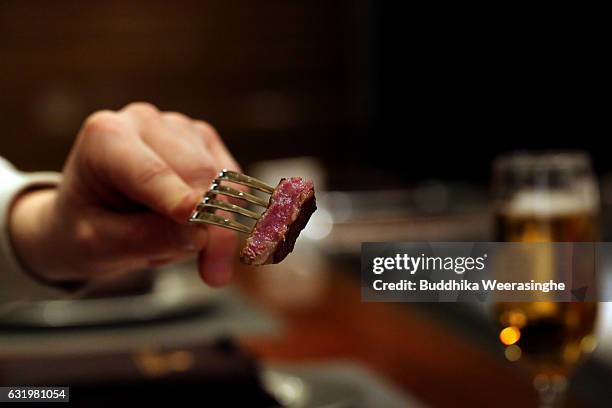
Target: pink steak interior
274	235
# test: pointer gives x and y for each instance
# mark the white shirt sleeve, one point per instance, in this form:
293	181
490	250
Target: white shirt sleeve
16	285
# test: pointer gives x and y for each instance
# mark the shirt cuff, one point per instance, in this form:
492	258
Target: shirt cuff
16	285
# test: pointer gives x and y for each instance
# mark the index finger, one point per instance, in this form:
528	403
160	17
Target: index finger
127	164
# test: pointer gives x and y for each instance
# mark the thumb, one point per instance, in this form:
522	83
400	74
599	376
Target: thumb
216	262
118	160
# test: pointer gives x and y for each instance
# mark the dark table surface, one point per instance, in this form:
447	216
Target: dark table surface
429	353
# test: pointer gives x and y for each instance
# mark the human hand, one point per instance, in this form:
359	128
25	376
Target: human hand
130	182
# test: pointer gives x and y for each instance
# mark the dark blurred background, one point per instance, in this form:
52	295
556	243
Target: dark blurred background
345	81
276	78
411	100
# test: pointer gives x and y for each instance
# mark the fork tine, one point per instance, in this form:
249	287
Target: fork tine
204	213
205	217
217	188
249	181
210	204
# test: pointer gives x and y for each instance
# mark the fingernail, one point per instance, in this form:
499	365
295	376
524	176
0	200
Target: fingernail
184	205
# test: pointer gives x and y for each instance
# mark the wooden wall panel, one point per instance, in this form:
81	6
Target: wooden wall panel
266	71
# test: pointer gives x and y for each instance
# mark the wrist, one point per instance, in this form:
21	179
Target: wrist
31	233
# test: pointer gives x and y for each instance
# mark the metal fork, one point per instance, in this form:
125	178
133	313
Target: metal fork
204	213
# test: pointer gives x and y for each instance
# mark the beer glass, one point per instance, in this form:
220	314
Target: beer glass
546	197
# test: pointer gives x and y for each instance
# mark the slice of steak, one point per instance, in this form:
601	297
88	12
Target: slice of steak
274	235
